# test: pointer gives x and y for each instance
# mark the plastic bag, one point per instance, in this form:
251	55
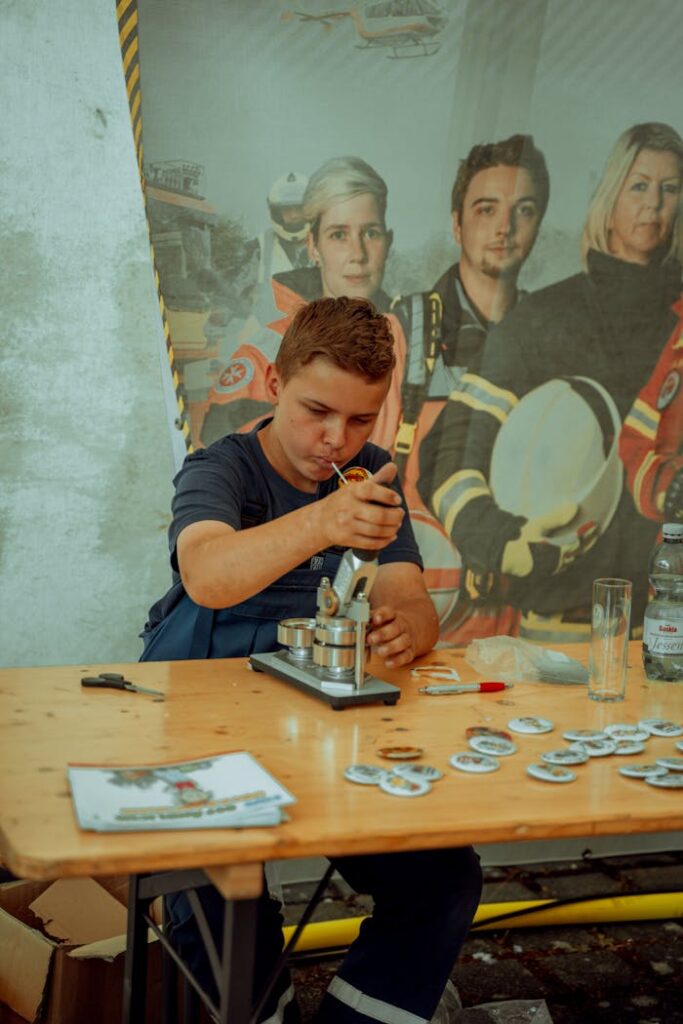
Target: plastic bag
510	659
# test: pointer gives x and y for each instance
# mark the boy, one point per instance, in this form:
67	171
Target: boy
259	518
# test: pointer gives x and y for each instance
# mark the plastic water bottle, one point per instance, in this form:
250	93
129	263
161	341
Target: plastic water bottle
663	625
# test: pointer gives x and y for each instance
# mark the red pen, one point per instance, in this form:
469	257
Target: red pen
465	688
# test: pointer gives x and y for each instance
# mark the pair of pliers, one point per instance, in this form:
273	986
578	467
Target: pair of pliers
115	681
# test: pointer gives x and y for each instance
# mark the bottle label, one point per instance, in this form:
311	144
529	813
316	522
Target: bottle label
663	636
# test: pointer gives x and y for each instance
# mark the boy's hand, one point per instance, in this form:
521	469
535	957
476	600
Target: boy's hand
391	635
363	515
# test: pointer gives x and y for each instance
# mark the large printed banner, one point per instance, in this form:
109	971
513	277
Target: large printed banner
503	180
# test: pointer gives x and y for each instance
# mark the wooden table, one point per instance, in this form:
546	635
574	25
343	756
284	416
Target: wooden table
46	720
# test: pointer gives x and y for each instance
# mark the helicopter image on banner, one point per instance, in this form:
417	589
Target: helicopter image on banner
407	27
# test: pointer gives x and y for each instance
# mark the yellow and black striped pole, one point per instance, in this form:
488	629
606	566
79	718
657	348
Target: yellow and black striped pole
127	18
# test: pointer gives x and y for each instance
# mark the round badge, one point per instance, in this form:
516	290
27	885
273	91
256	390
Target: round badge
355	475
397	785
668	390
679	745
401	753
627	747
642	771
621	731
674	764
465	762
594	748
565	755
493	745
531	724
365	774
550	773
583	734
236	375
665	781
418	772
483	730
661	727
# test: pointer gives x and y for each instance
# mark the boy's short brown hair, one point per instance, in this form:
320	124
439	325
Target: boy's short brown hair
348	332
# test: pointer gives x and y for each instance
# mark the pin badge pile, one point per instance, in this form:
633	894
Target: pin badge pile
404	779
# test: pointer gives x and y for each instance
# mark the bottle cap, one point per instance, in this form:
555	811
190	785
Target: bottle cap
672	531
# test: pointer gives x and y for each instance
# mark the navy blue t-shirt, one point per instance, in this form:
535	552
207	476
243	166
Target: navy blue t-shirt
232	482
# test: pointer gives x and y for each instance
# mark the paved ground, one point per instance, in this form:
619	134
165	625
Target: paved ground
627	973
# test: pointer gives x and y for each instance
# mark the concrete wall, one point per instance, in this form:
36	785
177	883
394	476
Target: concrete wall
86	461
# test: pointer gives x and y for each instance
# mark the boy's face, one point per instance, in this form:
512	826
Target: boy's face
323	414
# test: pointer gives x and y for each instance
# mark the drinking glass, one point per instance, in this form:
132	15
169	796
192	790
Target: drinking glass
609	639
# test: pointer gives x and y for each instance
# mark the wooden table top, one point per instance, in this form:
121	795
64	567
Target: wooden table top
47	720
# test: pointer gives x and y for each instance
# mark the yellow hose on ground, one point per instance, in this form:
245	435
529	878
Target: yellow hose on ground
340	934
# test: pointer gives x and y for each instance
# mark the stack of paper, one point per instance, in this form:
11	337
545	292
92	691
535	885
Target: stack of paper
223	791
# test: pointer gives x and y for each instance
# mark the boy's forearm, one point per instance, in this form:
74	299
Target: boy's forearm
222	571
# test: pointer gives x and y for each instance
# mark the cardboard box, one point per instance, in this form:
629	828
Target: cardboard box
62	951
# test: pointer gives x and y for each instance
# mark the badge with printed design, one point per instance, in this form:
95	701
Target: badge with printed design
661	727
550	773
483	730
365	774
398	785
418	772
237	374
624	731
668	781
354	475
401	753
642	771
475	763
583	734
565	755
668	390
492	745
531	724
628	747
674	764
594	748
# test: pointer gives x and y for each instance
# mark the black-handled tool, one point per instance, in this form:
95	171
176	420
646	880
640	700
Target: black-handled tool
115	681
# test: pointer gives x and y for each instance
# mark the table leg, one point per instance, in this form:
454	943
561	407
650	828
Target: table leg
237	962
135	973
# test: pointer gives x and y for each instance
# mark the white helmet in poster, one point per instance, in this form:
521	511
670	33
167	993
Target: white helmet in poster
285	201
560	445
